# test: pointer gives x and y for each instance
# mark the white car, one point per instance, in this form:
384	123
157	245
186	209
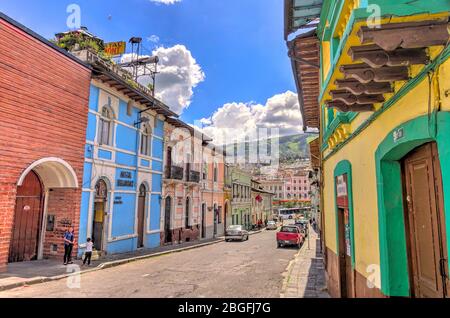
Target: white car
272	225
236	232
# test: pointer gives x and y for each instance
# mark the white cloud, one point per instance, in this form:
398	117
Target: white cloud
166	2
239	120
153	38
178	74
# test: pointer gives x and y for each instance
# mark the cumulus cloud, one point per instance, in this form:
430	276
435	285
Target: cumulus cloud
178	74
166	2
280	116
153	38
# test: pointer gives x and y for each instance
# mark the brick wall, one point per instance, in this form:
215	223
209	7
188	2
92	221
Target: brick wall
64	204
43	113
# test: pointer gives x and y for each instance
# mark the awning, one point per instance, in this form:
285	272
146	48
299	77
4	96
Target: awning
299	14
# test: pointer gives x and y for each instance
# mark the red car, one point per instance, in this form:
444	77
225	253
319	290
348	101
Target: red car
290	235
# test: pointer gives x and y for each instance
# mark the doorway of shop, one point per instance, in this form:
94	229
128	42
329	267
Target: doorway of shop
167	220
425	223
100	208
141	215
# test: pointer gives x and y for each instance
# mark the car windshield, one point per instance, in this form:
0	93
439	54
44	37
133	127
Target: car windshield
271	222
235	228
289	229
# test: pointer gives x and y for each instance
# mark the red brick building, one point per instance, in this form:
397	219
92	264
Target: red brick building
43	115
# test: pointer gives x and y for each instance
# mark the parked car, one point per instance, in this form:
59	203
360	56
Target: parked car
303	225
290	235
272	225
236	232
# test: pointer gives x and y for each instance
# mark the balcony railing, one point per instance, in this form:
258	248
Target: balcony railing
174	173
193	176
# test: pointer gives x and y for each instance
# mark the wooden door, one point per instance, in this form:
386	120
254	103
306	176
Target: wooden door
424	215
345	260
167	219
203	220
27	220
141	216
98	222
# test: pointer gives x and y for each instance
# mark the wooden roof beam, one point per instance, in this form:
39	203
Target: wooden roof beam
350	99
376	57
365	74
410	35
358	88
340	106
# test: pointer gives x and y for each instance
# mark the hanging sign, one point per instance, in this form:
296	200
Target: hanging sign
341	186
115	48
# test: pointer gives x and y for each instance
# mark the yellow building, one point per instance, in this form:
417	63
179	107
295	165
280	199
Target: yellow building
384	108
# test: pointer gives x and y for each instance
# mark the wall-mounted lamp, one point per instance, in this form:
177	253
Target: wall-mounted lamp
141	121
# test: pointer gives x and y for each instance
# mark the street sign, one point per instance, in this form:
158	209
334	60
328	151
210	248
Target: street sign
115	48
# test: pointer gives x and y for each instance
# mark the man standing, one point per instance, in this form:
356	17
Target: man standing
68	246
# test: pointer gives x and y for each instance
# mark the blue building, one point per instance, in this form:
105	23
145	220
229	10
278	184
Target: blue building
122	182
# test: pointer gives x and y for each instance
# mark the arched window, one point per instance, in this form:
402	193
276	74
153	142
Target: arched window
105	130
146	141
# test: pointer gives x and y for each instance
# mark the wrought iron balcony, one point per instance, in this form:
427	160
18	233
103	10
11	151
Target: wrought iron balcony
174	173
193	176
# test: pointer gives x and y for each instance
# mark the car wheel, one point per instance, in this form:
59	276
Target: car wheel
247	238
278	245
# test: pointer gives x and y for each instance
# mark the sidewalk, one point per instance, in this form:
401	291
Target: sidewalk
305	275
35	272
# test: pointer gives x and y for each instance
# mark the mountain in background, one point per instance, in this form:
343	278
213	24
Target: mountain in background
292	148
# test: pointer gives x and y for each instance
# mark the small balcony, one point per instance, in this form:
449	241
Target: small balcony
174	173
193	176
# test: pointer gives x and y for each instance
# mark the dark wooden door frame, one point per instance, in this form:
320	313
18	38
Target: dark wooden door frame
167	220
347	288
141	215
203	220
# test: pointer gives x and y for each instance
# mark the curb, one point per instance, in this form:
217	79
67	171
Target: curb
105	265
288	271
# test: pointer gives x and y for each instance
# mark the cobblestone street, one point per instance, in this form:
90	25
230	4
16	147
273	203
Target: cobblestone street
237	269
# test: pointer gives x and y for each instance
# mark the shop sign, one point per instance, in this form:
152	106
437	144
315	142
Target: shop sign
125	179
118	200
115	48
341	186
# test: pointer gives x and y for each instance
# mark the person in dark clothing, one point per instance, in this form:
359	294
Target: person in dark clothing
68	246
88	253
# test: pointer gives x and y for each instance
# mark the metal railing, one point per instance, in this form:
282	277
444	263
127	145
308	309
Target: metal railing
174	172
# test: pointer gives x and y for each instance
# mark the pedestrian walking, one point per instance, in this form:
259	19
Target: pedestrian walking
88	252
68	246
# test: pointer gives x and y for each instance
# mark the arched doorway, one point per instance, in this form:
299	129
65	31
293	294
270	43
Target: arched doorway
100	206
141	215
425	223
167	220
27	220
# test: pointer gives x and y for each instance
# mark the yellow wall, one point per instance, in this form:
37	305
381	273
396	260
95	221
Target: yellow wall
361	153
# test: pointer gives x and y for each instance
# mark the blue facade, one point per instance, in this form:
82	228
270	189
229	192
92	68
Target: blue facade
123	169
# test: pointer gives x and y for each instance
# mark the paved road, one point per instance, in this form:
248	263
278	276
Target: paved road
237	269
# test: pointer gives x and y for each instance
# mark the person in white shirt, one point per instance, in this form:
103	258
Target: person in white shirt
88	253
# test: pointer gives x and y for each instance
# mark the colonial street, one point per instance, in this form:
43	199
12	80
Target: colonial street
236	269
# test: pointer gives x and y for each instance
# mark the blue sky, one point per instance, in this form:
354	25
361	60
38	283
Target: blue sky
238	44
